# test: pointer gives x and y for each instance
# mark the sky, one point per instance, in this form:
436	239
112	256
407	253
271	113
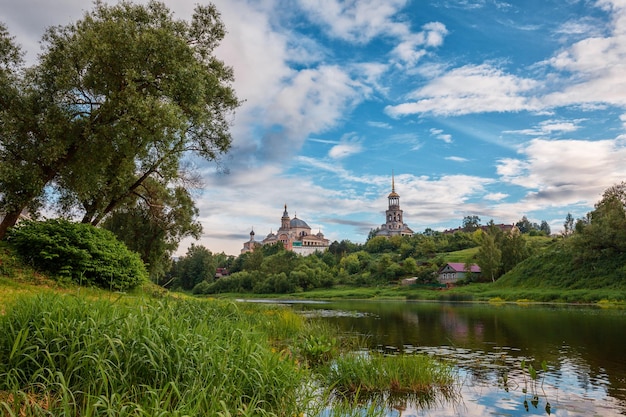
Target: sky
481	108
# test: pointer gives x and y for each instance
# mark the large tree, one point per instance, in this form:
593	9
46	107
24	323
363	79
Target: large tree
605	233
117	98
471	223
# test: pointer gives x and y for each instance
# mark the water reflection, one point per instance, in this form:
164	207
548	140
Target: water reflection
582	348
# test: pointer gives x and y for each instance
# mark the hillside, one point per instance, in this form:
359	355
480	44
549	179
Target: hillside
562	266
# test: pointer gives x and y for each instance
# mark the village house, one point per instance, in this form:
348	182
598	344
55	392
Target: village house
454	271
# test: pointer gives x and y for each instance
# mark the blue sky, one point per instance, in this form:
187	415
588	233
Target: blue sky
479	107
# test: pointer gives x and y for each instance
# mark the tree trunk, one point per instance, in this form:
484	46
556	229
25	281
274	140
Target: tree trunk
9	221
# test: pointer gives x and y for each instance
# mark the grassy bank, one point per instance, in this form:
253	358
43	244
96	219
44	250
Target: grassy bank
483	292
68	355
72	351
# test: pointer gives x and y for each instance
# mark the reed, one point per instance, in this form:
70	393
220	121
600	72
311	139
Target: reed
67	356
396	374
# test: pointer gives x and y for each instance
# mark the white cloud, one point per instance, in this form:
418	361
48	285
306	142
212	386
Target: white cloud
456	159
313	100
549	127
565	171
469	89
349	145
356	21
412	46
438	133
381	125
495	196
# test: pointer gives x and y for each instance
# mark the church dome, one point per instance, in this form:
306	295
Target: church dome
296	222
393	194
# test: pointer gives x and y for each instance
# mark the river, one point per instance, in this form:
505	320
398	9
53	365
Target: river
578	352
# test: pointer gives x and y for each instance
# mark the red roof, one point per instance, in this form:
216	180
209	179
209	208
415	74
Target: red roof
460	267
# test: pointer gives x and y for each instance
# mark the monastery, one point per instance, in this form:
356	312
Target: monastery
294	234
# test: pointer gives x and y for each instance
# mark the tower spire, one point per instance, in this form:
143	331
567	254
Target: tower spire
393	182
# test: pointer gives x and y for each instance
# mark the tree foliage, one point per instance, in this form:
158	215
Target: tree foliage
489	257
471	223
604	233
117	98
154	224
198	265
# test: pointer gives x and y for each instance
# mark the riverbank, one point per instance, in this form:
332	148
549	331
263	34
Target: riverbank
470	293
70	350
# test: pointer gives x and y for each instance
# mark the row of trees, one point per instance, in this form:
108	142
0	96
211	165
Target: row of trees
380	260
99	128
472	223
272	269
601	234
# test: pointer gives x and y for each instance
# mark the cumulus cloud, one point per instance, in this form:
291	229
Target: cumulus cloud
412	47
587	73
349	145
495	196
469	89
358	21
565	171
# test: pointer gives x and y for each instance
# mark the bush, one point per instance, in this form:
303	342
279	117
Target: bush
86	254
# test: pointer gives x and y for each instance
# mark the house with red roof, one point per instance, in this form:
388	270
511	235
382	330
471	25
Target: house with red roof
454	271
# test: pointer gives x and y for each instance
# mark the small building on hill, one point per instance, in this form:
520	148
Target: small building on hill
454	271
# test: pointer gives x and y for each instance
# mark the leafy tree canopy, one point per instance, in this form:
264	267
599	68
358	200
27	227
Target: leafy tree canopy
116	98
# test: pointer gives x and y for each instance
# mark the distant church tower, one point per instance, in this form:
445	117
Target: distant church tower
394	214
394	224
284	221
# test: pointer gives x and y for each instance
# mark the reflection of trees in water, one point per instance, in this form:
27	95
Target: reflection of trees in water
587	339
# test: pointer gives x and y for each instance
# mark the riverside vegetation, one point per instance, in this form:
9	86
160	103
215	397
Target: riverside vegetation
68	350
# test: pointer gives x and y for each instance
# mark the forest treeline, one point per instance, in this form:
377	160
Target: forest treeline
379	261
590	253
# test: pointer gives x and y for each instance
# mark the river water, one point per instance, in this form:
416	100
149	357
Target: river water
578	352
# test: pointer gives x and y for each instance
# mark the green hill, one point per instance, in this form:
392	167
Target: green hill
562	266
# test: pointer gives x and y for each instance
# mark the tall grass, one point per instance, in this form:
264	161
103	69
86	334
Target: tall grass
378	380
68	356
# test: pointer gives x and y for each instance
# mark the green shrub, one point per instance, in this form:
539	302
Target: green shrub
86	254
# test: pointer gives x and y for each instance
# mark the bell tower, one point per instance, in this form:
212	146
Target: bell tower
394	214
284	221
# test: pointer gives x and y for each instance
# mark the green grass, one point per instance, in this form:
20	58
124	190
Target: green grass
378	380
409	374
461	255
68	355
69	351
